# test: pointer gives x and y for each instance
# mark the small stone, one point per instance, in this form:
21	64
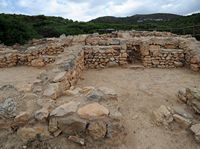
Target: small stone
193	94
182	96
178	64
95	95
196	130
42	114
93	110
76	139
112	58
97	129
63	36
73	92
181	110
59	77
22	118
115	115
57	133
8	108
194	67
37	63
184	122
53	125
36	132
163	115
195	59
108	92
71	125
24	87
193	98
65	109
112	64
116	133
86	89
46	102
53	91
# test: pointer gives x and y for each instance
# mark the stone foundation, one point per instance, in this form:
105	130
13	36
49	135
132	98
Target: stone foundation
63	59
152	49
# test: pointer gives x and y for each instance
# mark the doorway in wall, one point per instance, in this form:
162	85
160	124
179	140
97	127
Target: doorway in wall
134	54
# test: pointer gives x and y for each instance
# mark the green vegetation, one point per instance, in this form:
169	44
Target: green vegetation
21	28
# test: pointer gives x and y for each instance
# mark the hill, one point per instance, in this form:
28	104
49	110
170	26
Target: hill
21	28
137	18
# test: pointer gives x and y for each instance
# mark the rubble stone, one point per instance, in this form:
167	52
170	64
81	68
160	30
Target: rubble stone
36	132
163	115
196	130
93	110
97	130
65	109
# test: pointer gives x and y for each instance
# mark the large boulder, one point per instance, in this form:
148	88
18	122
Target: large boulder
65	119
71	125
93	110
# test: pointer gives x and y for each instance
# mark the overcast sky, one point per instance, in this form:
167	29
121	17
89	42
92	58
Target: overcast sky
85	10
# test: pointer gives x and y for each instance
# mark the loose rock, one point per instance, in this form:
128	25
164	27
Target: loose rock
183	122
65	109
76	139
22	118
97	130
163	115
8	108
93	110
36	132
196	130
95	95
42	114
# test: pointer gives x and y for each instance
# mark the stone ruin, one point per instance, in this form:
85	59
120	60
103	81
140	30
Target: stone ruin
93	114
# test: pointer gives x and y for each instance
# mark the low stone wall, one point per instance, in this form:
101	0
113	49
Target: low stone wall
65	72
89	115
152	49
104	56
163	58
193	60
38	53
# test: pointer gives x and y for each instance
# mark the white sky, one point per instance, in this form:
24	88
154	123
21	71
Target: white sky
85	10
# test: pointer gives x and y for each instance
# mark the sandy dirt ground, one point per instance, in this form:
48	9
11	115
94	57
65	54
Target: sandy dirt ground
18	75
141	92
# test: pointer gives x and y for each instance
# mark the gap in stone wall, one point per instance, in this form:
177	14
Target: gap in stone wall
134	54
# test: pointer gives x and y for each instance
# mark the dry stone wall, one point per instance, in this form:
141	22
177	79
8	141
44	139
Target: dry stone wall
90	116
152	49
103	56
156	55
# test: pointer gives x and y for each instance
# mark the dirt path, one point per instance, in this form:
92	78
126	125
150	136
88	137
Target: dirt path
140	93
18	75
